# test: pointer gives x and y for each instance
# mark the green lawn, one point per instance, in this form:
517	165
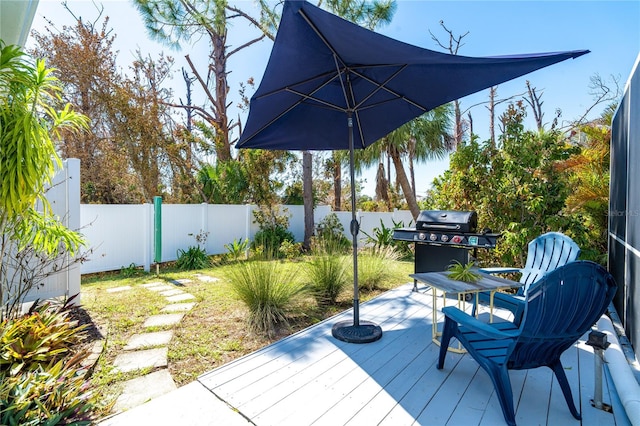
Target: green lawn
213	333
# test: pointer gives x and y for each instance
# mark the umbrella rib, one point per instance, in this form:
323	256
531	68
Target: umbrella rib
319	34
387	89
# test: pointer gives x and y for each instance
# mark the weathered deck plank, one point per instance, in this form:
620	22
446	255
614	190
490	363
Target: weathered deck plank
310	378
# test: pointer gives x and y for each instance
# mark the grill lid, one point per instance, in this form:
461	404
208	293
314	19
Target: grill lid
447	220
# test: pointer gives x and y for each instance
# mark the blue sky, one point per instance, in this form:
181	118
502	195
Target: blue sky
610	29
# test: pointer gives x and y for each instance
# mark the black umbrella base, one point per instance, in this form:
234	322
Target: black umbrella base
364	332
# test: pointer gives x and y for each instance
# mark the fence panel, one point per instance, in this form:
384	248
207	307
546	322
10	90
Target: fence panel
118	234
121	235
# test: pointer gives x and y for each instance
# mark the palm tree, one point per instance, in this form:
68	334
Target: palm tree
425	138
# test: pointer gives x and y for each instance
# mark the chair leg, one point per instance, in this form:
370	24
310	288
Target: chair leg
561	376
448	332
502	384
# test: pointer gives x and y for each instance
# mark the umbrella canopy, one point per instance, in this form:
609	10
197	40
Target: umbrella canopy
332	85
322	67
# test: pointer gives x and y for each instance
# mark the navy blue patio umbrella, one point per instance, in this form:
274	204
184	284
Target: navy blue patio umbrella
333	85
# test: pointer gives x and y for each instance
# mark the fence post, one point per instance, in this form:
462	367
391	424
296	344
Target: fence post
157	231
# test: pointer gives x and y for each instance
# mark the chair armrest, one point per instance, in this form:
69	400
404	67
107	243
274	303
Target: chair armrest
477	326
499	270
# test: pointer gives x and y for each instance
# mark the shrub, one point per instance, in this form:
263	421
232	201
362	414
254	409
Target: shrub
328	275
330	234
267	291
373	266
273	232
290	250
41	379
193	258
237	249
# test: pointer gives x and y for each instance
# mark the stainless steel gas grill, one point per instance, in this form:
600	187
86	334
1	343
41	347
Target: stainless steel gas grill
442	237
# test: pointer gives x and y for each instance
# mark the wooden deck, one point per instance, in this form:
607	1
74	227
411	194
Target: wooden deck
310	378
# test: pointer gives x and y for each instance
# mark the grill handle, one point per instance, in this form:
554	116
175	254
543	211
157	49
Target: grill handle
436	226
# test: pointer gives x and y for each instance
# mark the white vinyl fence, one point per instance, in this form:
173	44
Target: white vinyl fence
119	236
64	197
122	235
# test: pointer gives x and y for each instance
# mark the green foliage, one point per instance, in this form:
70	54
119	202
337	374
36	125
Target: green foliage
373	266
226	182
464	273
328	275
330	235
129	271
41	379
267	290
193	258
290	250
518	188
237	248
29	126
273	231
383	237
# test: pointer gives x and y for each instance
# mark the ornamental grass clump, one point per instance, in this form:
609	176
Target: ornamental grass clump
268	290
373	266
328	275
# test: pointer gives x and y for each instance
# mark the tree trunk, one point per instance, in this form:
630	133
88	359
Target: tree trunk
307	196
401	177
492	115
337	184
458	130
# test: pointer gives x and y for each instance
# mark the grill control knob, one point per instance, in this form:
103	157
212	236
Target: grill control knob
444	238
433	237
422	236
456	239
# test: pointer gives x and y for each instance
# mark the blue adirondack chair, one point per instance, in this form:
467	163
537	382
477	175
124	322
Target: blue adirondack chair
559	309
545	253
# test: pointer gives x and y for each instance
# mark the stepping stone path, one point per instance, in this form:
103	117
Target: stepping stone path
149	350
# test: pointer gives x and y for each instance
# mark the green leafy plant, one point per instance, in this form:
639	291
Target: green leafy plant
290	250
330	234
129	271
42	381
328	275
464	273
30	126
273	232
237	248
194	257
267	291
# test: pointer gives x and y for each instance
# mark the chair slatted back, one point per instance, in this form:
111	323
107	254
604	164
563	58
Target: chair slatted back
546	253
560	308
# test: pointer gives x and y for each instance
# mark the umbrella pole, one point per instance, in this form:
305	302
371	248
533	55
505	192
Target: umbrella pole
356	331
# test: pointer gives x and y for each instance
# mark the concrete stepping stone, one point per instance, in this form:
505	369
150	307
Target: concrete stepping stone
137	360
183	281
142	389
153	284
145	340
178	307
180	297
207	278
118	289
162	287
172	292
162	320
